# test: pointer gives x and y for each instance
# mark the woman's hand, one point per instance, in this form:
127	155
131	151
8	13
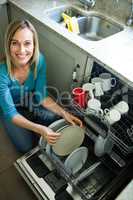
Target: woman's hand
53	106
72	119
50	135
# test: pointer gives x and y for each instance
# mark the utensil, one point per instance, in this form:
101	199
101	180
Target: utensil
89	87
103	145
107	81
111	116
98	86
71	138
122	107
79	97
87	172
94	104
55	126
76	160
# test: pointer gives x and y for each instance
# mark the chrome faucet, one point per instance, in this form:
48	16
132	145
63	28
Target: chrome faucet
88	3
130	18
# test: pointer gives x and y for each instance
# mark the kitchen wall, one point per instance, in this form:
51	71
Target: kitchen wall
118	9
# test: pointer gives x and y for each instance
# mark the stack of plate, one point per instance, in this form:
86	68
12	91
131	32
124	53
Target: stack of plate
68	146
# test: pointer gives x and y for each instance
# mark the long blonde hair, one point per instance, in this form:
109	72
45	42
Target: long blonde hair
12	28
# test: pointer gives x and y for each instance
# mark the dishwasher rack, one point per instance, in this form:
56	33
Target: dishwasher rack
118	133
92	182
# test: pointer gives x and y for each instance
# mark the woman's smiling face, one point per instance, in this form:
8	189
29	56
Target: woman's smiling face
22	47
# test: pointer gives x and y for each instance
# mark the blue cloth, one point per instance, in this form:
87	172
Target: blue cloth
13	94
25	100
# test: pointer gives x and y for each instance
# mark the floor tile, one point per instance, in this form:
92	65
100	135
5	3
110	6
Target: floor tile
13	187
8	153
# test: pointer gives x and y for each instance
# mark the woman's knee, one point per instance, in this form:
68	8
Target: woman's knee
22	139
24	148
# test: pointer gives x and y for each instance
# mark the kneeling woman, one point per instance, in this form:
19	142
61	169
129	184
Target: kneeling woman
26	109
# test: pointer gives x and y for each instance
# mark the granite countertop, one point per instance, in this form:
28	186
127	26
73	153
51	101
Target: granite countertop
115	52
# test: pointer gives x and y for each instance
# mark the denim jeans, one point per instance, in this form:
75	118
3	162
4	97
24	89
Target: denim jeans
24	139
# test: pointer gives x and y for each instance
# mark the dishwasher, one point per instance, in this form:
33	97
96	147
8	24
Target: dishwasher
102	174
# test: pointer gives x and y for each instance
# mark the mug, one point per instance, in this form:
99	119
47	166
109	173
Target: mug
98	86
103	145
79	97
94	107
89	87
107	81
122	107
111	116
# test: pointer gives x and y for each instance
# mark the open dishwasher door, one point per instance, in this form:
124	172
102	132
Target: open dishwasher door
49	179
106	169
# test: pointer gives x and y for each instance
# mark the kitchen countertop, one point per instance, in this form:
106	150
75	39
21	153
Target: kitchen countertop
2	1
127	193
115	52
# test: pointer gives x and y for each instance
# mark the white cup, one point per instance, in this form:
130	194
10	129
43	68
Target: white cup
98	86
122	107
94	104
112	115
89	87
107	81
94	107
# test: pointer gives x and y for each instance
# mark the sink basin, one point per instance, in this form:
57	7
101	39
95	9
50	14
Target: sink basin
96	27
93	26
56	13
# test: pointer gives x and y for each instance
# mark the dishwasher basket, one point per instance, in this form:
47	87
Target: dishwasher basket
118	133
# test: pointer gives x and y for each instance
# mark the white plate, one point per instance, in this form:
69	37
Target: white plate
76	160
56	126
71	138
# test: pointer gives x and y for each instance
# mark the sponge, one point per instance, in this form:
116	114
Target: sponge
67	21
71	23
74	25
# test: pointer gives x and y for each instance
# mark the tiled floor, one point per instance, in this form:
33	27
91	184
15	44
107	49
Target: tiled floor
12	186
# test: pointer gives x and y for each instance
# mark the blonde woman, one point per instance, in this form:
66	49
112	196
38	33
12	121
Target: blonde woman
26	109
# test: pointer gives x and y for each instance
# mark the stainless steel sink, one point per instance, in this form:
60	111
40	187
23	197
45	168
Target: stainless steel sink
93	26
56	13
96	27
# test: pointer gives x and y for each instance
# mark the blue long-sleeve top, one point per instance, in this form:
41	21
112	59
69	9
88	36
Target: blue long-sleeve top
12	92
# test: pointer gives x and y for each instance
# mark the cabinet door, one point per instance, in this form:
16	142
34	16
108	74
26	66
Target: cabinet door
62	59
61	55
3	26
